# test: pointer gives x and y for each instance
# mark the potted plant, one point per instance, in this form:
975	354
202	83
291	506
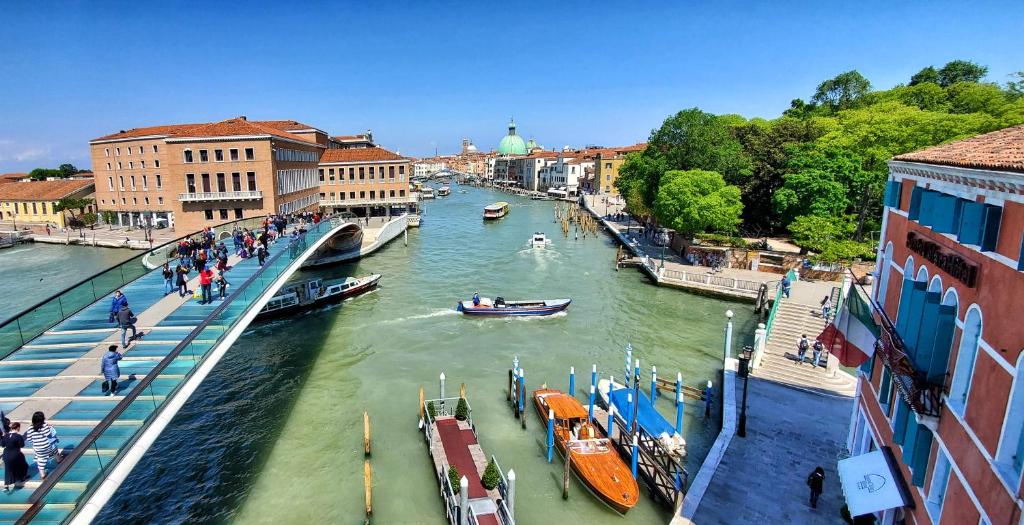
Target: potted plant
491	476
431	409
462	409
453	478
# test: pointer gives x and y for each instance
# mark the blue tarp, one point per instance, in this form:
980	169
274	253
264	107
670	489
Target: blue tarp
647	416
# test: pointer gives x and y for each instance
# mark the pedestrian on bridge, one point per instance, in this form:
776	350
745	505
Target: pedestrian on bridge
126	318
205	282
117	302
801	348
44	442
111	370
168	278
15	466
787	285
182	282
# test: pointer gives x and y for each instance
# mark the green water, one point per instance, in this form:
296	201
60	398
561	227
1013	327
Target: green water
373	353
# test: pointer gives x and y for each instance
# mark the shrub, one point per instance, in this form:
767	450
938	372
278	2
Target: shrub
717	239
453	478
431	409
491	476
462	409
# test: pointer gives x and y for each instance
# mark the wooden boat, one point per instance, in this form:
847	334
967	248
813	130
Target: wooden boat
496	210
501	307
648	417
594	458
444	191
316	292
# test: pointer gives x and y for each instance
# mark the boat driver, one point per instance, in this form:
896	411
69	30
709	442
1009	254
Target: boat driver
476	298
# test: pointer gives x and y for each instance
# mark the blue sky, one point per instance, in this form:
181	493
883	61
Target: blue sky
425	74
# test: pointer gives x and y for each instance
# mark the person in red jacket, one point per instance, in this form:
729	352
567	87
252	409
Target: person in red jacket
205	281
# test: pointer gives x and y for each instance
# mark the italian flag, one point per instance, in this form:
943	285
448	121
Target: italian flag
852	334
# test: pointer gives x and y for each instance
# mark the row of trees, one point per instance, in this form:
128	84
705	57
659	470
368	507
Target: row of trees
62	172
818	171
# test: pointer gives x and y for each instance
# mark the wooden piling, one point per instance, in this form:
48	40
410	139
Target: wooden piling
366	433
565	473
368	487
422	400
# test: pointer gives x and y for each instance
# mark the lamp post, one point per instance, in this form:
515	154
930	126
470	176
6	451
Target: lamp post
744	372
728	334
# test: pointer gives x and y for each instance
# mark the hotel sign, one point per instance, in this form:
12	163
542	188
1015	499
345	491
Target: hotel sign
948	261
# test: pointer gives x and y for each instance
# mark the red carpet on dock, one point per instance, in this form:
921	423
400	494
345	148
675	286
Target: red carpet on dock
456	444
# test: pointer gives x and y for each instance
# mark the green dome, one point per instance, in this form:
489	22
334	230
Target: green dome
512	144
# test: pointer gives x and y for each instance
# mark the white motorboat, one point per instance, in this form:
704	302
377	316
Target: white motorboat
539	240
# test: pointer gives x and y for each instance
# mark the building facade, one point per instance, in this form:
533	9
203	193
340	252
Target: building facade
944	390
24	202
607	162
365	181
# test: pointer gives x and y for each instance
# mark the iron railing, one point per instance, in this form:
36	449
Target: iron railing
220	196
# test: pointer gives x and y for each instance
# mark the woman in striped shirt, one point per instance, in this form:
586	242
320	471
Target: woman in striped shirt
44	442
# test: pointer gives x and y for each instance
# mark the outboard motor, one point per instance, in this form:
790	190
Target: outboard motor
499	301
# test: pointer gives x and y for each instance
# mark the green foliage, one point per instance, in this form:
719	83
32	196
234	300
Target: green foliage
491	477
693	139
717	239
638	181
928	75
431	409
89	219
67	170
462	409
454	478
829	237
63	172
961	71
1015	87
842	91
697	201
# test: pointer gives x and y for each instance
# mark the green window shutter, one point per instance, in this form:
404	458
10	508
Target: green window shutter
910	439
947	214
943	343
926	336
915	203
913	326
904	308
922	449
886	389
990	227
971	216
899	422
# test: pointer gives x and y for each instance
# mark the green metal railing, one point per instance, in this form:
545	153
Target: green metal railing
192	351
793	277
33	321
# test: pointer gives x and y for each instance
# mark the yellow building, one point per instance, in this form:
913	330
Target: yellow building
606	168
34	202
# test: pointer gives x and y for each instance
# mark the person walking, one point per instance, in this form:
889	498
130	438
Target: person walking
168	278
182	272
117	302
111	370
44	442
816	482
261	254
816	351
205	282
126	318
801	348
222	285
786	285
826	307
15	465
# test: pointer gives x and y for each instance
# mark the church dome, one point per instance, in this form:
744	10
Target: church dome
512	144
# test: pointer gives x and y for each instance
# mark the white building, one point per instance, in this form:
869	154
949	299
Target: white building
426	167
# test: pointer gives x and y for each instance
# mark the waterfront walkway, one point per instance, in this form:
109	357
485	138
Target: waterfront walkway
58	371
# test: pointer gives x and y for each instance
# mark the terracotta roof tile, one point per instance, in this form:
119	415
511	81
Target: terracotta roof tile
999	150
43	190
171	130
359	155
285	125
12	177
229	127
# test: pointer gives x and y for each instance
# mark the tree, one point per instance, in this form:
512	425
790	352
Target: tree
972	97
697	201
638	181
926	75
842	91
67	170
109	217
43	173
693	139
89	219
810	192
70	204
1015	87
462	409
491	478
961	71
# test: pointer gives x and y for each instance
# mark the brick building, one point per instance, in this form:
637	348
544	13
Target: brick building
944	391
366	181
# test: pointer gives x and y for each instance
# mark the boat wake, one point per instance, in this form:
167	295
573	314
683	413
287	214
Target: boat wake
437	313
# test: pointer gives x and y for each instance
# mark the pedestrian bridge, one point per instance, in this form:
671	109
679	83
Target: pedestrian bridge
50	361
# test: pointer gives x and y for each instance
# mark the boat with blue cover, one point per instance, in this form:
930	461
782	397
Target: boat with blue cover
500	307
648	417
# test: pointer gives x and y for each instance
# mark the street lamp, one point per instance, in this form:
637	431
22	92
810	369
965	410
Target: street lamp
744	372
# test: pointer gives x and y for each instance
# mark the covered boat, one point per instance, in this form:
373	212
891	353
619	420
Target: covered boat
496	210
499	306
316	292
427	192
444	191
539	240
595	462
647	416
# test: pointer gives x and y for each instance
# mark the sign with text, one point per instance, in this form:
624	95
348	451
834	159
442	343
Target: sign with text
948	261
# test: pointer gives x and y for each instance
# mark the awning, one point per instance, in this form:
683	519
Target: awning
870	485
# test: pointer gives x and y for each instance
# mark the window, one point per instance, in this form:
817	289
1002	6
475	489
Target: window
160	200
142	164
362	195
937	490
401	193
120	179
159	181
208	214
391	172
129	150
250	179
146	200
205	177
131	165
43	205
108	166
190	182
188	155
238	213
221	186
373	194
218	155
607	165
1010	454
960	387
371	172
110	183
250	154
135	200
351	194
145	183
236	182
117	152
204	156
156	163
392	194
401	170
118	164
322	174
223	213
122	200
34	210
233	154
156	149
362	173
351	174
106	152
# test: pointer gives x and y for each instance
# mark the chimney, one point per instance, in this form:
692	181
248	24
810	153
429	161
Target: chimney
242	117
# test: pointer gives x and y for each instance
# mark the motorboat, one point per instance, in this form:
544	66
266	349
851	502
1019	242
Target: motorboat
316	292
647	416
496	210
500	307
594	460
539	240
427	192
444	191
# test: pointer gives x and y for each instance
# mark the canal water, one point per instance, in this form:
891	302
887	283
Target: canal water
275	433
32	272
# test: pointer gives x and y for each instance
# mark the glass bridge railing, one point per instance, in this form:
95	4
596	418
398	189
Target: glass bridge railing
82	470
33	321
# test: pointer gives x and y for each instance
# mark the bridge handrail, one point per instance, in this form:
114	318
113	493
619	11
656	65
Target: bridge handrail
37	498
22	327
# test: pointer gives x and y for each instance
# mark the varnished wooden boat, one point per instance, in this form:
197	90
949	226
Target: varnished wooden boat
594	459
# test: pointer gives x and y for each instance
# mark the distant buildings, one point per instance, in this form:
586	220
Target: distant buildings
24	202
606	168
366	181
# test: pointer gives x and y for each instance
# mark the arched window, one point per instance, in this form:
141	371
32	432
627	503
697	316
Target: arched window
1010	454
966	355
884	269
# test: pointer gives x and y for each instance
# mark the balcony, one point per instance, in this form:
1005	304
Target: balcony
412	198
220	196
923	396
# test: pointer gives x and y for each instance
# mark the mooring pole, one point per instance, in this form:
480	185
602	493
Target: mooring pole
636	453
707	400
464	504
511	503
593	376
629	362
629	411
654	384
679	403
590	411
551	434
442	389
565	473
522	396
611	418
572	381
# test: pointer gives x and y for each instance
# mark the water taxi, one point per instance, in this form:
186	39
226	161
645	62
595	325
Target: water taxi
316	292
427	192
648	417
496	210
539	240
500	307
444	191
595	461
